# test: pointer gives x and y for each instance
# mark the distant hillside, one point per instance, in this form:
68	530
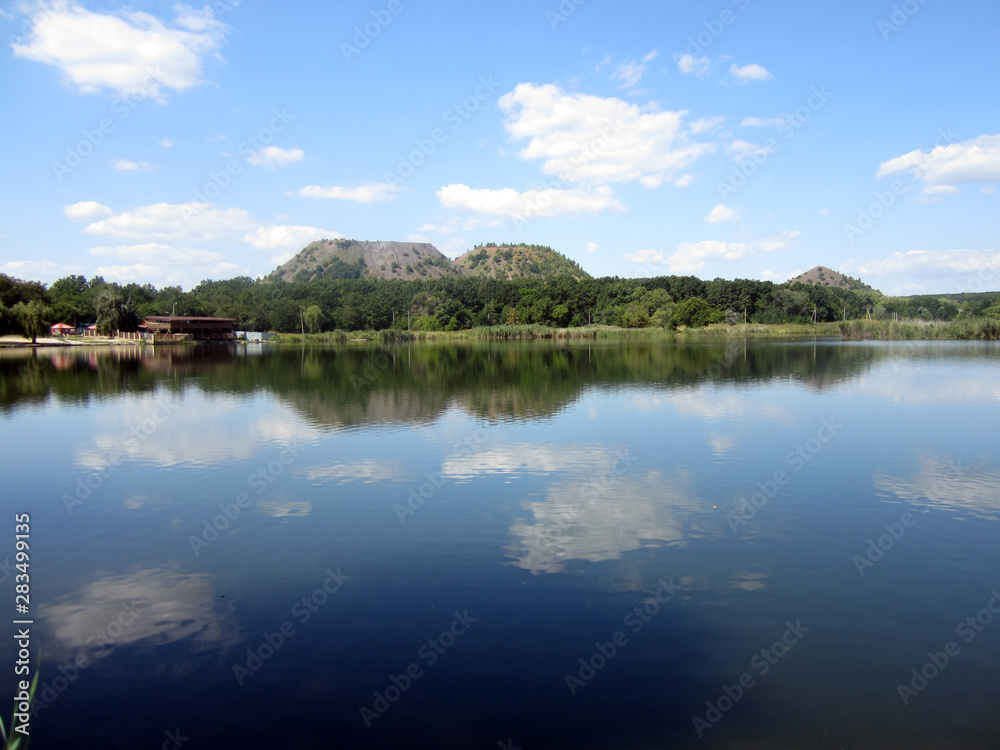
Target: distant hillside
823	276
517	261
351	259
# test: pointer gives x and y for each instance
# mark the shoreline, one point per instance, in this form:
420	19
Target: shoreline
981	329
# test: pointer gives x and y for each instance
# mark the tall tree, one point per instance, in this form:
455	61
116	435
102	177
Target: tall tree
113	312
313	317
33	317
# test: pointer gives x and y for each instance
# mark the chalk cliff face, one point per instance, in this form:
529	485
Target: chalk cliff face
339	259
345	259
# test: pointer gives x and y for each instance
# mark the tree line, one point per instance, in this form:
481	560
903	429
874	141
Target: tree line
456	303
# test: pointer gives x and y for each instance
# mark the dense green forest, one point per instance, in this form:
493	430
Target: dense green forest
459	302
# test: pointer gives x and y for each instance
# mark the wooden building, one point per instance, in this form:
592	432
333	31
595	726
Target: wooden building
185	327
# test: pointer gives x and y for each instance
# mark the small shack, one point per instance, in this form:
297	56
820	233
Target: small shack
254	337
183	327
61	329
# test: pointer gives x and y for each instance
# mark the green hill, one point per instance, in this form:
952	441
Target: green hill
823	276
353	259
517	261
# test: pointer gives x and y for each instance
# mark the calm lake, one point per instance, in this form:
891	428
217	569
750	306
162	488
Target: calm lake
533	545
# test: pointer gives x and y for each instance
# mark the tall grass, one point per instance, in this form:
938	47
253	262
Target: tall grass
968	329
14	740
762	330
513	332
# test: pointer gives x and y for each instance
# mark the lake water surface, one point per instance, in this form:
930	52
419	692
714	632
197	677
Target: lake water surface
538	545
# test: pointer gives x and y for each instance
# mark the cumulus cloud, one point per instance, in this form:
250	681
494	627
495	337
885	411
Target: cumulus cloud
192	222
45	271
87	211
688	64
459	224
592	247
162	265
959	270
279	237
274	157
125	165
751	72
631	73
692	257
707	124
584	138
367	193
721	214
945	167
510	203
128	53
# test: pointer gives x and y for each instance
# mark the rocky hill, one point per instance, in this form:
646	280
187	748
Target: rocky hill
823	276
517	261
353	259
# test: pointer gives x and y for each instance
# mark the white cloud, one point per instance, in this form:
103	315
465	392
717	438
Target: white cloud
87	211
366	472
743	149
529	204
45	271
130	52
167	143
274	157
721	214
939	189
460	224
692	257
125	165
688	64
584	138
591	247
631	73
278	237
523	458
367	193
604	63
751	72
780	278
454	247
973	161
824	212
961	269
192	222
163	265
760	122
707	124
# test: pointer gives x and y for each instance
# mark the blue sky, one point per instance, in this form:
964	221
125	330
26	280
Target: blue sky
167	143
